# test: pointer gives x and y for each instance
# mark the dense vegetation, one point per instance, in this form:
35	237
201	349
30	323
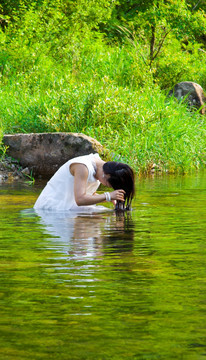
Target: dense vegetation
104	68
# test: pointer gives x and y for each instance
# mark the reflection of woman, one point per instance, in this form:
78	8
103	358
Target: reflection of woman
69	226
73	186
78	235
119	235
89	235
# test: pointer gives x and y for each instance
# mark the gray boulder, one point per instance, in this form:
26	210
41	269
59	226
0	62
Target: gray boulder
44	153
192	93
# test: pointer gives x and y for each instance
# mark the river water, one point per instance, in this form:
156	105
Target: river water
105	286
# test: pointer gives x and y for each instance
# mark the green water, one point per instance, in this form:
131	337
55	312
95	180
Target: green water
105	287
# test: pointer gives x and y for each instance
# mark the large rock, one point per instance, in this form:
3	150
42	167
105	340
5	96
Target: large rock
44	153
192	93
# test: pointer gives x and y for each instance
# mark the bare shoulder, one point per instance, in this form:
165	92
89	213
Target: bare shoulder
79	169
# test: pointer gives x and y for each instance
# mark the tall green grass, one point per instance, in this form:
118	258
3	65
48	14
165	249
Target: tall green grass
106	92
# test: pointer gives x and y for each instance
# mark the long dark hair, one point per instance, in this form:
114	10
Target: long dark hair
121	176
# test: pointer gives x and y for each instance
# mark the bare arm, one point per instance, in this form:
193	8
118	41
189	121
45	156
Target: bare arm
80	173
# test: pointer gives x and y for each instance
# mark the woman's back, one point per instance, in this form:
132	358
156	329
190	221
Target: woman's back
59	191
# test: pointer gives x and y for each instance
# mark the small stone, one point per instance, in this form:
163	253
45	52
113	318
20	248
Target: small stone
154	166
26	171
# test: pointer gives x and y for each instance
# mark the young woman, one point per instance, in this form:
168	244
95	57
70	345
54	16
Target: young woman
74	185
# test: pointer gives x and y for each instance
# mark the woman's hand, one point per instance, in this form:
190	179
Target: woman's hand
117	195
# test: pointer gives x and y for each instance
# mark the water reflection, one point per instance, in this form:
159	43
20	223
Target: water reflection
89	235
119	235
72	283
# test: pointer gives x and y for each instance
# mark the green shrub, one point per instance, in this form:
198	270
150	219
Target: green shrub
61	79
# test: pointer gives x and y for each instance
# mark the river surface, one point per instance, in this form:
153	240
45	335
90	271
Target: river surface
105	286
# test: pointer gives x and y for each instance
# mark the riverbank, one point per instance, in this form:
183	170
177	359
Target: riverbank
11	171
113	88
139	127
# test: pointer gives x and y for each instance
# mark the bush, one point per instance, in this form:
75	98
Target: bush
60	79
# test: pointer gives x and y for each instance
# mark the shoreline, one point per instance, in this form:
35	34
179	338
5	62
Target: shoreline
11	171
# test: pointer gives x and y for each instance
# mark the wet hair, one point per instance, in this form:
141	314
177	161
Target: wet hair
121	176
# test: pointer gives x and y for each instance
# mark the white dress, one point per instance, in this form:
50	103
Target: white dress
58	194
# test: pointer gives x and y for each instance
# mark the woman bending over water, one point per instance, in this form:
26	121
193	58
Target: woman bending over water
74	185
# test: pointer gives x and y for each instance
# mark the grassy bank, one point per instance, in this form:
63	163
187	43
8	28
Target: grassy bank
107	92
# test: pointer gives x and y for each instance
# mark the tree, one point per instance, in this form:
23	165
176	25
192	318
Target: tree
154	20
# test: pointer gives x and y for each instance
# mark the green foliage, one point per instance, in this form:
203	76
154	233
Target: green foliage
153	20
59	72
179	62
2	147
